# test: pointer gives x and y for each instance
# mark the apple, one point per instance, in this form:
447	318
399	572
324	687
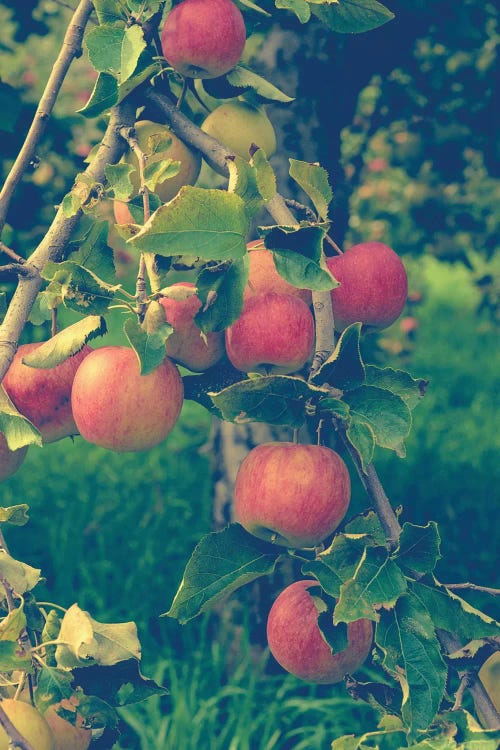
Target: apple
203	38
238	125
116	407
273	335
186	344
10	461
29	723
68	735
489	674
293	495
296	642
374	286
190	164
263	276
44	395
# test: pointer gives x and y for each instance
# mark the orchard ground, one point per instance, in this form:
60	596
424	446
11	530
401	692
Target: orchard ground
106	525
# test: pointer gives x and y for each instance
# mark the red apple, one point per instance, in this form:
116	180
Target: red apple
186	344
118	408
68	735
203	38
29	723
294	495
44	396
10	461
263	276
274	334
296	642
374	286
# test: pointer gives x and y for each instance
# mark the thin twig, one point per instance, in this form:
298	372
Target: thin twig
333	244
459	695
11	253
53	321
57	237
473	587
71	48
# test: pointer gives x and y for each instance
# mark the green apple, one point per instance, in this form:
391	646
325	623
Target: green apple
29	723
238	125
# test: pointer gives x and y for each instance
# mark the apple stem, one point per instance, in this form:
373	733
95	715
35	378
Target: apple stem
182	95
17	739
11	253
53	323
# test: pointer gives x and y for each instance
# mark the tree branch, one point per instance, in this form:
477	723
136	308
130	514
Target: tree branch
71	48
472	587
56	239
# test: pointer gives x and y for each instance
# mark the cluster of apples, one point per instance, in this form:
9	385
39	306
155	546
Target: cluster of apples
278	498
48	731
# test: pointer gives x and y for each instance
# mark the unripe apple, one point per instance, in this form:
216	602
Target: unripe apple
29	723
10	461
190	164
238	125
203	38
68	736
290	494
186	344
274	334
489	674
373	289
263	276
118	408
296	642
44	395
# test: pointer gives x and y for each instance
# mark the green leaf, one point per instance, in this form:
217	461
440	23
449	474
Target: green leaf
159	171
299	7
41	310
104	47
362	438
352	16
297	255
418	548
220	289
344	368
133	45
66	343
80	289
13	624
93	251
21	577
367	523
13	656
266	179
211	224
401	383
87	642
146	68
108	10
386	413
313	180
338	563
376	582
17	515
449	612
118	685
17	430
412	656
336	407
54	685
473	736
243	182
50	632
118	178
276	399
221	563
242	78
136	207
148	346
104	96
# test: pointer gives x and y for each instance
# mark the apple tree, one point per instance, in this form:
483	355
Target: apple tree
269	324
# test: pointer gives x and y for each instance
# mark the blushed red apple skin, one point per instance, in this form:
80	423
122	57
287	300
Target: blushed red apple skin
274	334
374	286
263	276
203	38
186	345
44	395
296	642
295	495
118	408
68	736
29	722
10	461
